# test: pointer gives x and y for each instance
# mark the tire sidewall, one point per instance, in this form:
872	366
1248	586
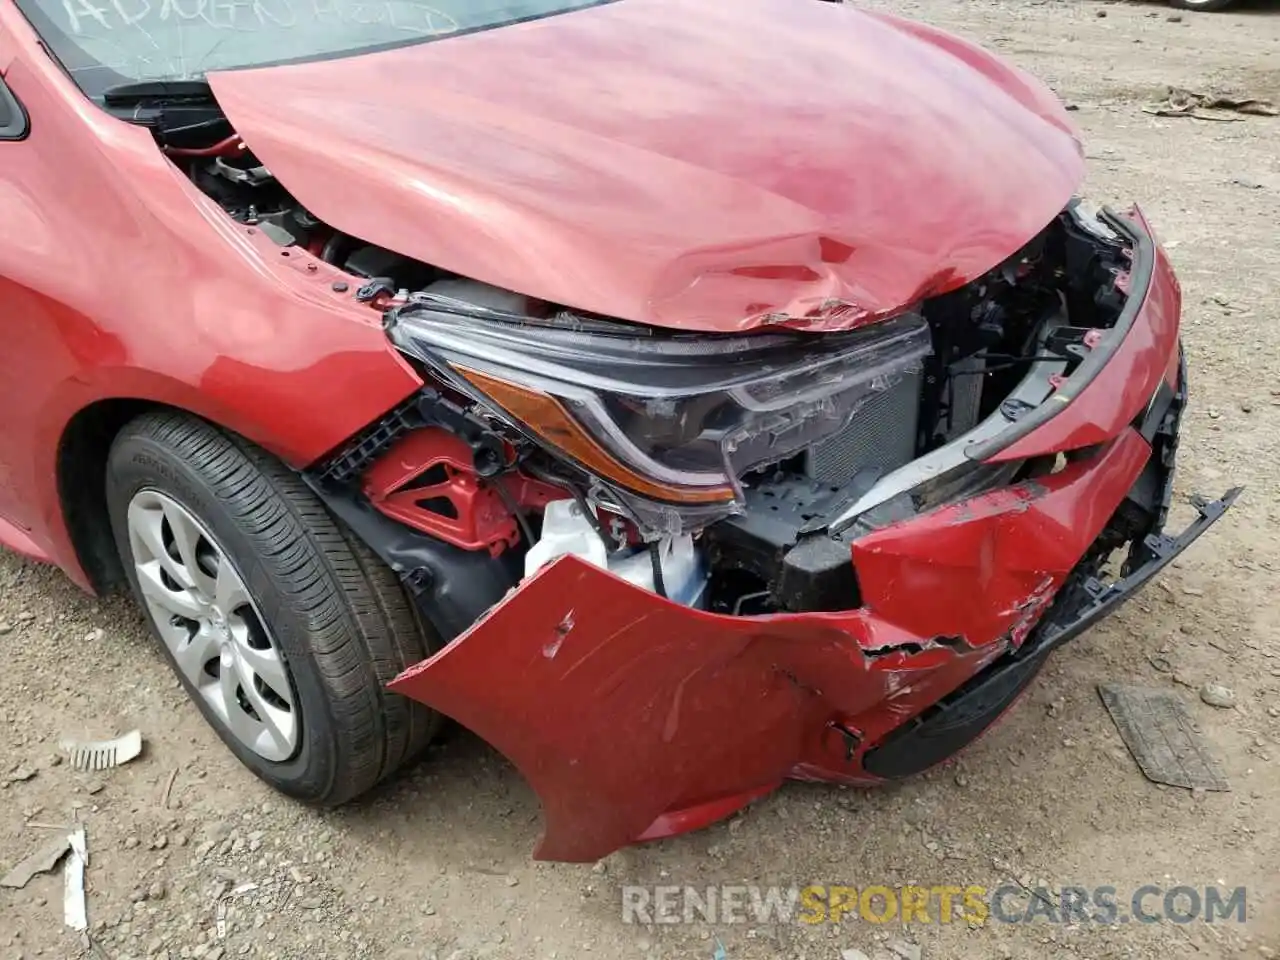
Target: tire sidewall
139	463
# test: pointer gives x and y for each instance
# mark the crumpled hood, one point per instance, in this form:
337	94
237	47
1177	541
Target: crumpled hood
705	166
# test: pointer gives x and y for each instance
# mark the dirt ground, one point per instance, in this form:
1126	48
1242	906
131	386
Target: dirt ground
438	864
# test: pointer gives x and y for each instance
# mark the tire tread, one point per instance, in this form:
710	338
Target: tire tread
362	629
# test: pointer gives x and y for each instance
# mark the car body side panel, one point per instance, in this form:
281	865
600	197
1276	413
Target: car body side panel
118	279
624	706
704	166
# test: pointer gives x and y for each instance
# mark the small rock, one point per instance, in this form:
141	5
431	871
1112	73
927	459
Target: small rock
138	896
1174	18
22	773
94	786
26	616
1101	14
961	780
93	636
215	954
1246	407
156	891
1216	695
160	842
908	951
5	628
513	881
311	903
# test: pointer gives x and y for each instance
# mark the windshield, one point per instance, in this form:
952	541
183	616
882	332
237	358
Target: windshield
103	43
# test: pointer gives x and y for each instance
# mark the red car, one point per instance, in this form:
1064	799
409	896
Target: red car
682	396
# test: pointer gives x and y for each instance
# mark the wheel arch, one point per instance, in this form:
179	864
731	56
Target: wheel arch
81	469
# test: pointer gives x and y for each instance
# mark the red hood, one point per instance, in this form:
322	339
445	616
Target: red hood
688	164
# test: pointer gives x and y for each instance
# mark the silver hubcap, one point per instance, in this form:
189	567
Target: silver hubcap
205	616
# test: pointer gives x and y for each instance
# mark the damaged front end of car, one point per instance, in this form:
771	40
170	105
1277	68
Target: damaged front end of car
674	569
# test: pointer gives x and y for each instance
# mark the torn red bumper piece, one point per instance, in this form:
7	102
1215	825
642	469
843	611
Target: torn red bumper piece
631	716
634	717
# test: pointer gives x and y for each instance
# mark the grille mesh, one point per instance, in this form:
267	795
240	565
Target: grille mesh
882	434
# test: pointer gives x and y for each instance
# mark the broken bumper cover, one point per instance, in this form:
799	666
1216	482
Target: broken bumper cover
634	717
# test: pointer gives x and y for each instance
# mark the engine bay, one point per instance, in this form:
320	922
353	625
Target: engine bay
451	467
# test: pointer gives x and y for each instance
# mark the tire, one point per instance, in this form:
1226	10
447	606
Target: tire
1204	6
312	631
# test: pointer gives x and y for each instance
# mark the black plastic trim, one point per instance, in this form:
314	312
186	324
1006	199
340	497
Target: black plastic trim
19	124
960	720
1140	273
452	587
1163	550
965	714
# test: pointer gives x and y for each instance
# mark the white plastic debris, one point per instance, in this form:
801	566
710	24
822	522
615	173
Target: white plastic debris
566	530
75	911
103	754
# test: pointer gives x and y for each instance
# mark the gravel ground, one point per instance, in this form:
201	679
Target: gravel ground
437	864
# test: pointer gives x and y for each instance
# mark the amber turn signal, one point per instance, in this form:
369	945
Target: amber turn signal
548	418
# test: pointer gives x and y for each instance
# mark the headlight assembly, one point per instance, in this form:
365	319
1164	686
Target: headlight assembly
668	422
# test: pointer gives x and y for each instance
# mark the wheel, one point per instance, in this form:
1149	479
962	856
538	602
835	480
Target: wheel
281	626
1203	6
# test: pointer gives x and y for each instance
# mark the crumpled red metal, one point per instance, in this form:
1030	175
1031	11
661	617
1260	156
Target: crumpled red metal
761	162
624	710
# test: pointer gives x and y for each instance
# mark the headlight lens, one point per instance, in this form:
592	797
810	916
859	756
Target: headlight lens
670	419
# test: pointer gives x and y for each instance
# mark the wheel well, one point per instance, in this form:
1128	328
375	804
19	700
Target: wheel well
82	473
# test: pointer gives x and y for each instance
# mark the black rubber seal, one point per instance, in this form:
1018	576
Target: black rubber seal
14	124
